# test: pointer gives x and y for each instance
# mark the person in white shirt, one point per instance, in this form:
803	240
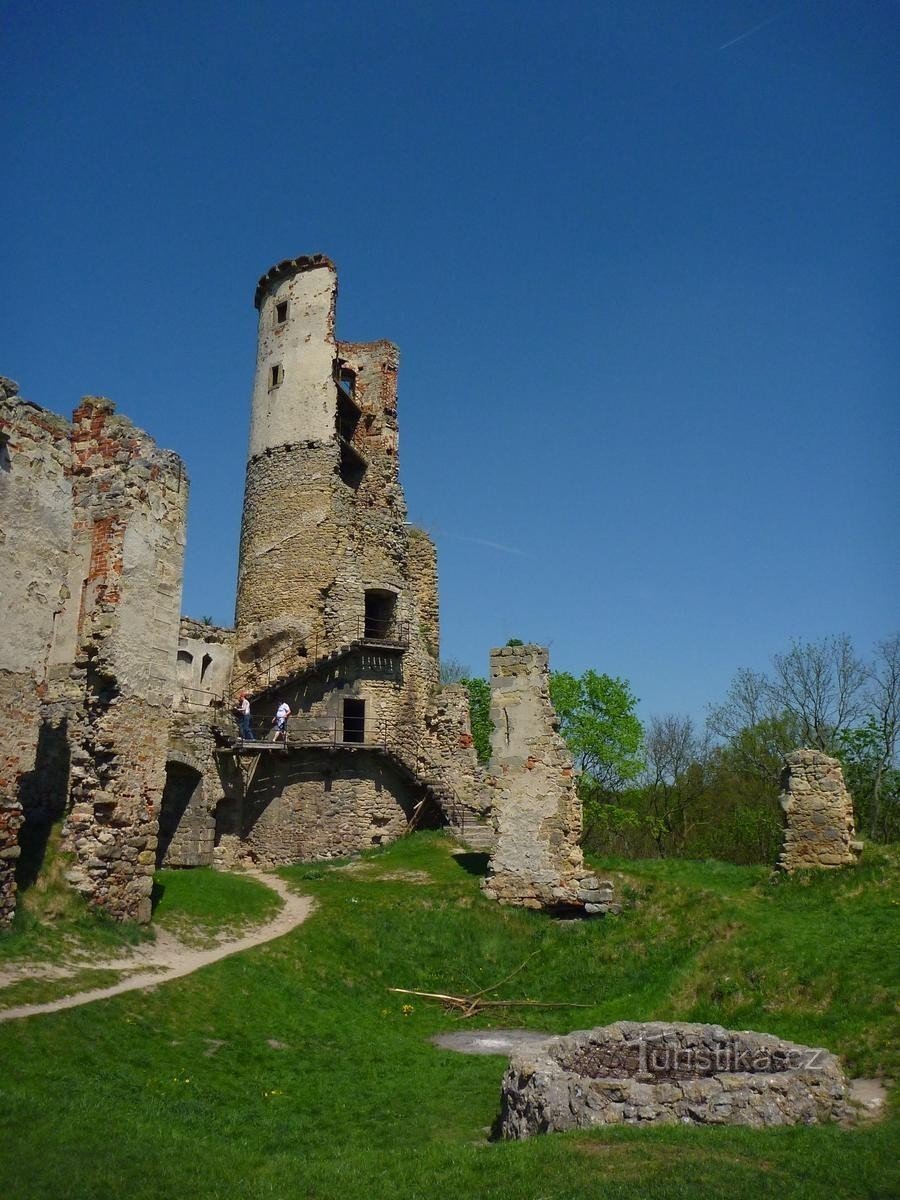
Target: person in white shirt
280	720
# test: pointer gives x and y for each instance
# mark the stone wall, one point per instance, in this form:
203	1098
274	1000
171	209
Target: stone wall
818	813
322	804
39	600
679	1073
205	660
10	823
324	525
93	517
537	862
452	757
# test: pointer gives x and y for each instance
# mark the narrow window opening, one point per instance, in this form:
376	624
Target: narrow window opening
205	664
281	312
276	375
347	381
354	721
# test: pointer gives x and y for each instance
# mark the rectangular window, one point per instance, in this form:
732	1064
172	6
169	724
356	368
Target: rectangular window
281	312
276	375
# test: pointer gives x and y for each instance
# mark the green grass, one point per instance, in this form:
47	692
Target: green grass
180	1091
40	991
202	903
53	922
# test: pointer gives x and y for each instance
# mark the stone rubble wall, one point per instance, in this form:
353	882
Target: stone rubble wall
818	813
679	1073
537	862
10	823
321	805
451	758
131	502
93	514
209	781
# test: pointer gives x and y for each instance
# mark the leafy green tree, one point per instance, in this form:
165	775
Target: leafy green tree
598	721
480	716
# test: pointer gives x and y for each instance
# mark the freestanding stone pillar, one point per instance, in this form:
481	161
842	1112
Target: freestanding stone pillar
537	862
818	813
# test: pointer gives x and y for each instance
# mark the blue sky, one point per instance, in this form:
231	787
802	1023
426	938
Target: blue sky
644	284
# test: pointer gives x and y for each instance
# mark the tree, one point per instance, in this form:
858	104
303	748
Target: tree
674	779
869	751
885	703
822	695
597	719
815	693
453	671
822	685
480	716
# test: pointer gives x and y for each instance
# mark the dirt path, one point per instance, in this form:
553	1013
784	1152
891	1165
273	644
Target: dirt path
170	959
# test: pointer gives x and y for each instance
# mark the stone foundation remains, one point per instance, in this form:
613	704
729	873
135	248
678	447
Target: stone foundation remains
818	813
531	780
655	1073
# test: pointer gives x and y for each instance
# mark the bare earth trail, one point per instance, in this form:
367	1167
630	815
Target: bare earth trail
173	960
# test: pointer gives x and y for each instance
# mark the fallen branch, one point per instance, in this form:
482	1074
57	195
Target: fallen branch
470	1005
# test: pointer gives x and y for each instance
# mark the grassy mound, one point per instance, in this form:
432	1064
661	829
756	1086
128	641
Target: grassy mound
291	1071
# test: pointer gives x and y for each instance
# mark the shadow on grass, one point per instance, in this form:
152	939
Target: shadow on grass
475	864
159	890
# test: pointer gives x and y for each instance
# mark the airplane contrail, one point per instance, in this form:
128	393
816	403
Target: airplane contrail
750	32
484	542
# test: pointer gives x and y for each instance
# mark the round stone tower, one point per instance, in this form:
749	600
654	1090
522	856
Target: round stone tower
292	454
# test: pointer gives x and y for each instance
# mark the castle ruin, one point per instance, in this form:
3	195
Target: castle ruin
118	733
117	711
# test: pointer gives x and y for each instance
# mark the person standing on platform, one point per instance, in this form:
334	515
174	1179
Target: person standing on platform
242	711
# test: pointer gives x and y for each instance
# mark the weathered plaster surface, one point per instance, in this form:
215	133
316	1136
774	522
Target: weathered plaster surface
537	862
94	515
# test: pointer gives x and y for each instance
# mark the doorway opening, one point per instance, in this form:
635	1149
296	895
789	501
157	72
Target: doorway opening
354	721
379	620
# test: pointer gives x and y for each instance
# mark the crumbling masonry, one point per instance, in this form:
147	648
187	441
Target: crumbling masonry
93	518
818	813
537	862
116	712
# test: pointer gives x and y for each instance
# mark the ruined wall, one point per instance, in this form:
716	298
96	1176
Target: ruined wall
130	506
198	780
452	758
10	823
205	659
39	594
818	813
537	862
95	513
321	804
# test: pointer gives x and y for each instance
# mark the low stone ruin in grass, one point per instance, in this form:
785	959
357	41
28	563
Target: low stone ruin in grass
655	1073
